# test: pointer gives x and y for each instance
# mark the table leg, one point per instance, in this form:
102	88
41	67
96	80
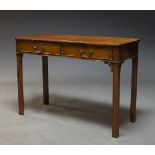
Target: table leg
116	67
45	79
133	89
20	83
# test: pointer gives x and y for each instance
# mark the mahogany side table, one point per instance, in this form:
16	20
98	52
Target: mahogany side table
112	51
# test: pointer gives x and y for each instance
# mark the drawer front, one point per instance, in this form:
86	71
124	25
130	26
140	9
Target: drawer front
38	48
72	51
101	53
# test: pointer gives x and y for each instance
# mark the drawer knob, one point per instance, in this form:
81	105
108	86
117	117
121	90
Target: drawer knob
85	54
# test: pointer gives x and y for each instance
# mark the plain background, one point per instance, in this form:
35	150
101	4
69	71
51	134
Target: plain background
80	88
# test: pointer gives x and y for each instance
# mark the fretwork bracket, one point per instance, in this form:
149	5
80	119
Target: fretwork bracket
110	64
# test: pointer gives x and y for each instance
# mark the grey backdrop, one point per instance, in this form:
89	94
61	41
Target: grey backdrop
80	89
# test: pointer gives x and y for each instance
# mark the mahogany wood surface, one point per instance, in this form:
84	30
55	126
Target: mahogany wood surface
133	89
20	83
116	99
90	40
112	51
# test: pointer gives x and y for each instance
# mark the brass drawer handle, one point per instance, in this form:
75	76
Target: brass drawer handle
37	51
84	54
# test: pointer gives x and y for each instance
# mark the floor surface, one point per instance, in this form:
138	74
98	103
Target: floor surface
79	113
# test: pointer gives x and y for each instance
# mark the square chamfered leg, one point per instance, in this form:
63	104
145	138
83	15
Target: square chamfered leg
20	83
45	79
116	68
133	89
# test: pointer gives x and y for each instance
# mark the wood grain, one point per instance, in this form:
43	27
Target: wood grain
36	47
89	52
88	40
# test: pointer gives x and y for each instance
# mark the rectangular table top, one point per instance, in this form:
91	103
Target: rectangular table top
88	40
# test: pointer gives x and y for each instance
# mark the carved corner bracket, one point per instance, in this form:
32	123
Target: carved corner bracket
110	64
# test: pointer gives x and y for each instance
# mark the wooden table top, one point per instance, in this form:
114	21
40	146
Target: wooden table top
88	40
